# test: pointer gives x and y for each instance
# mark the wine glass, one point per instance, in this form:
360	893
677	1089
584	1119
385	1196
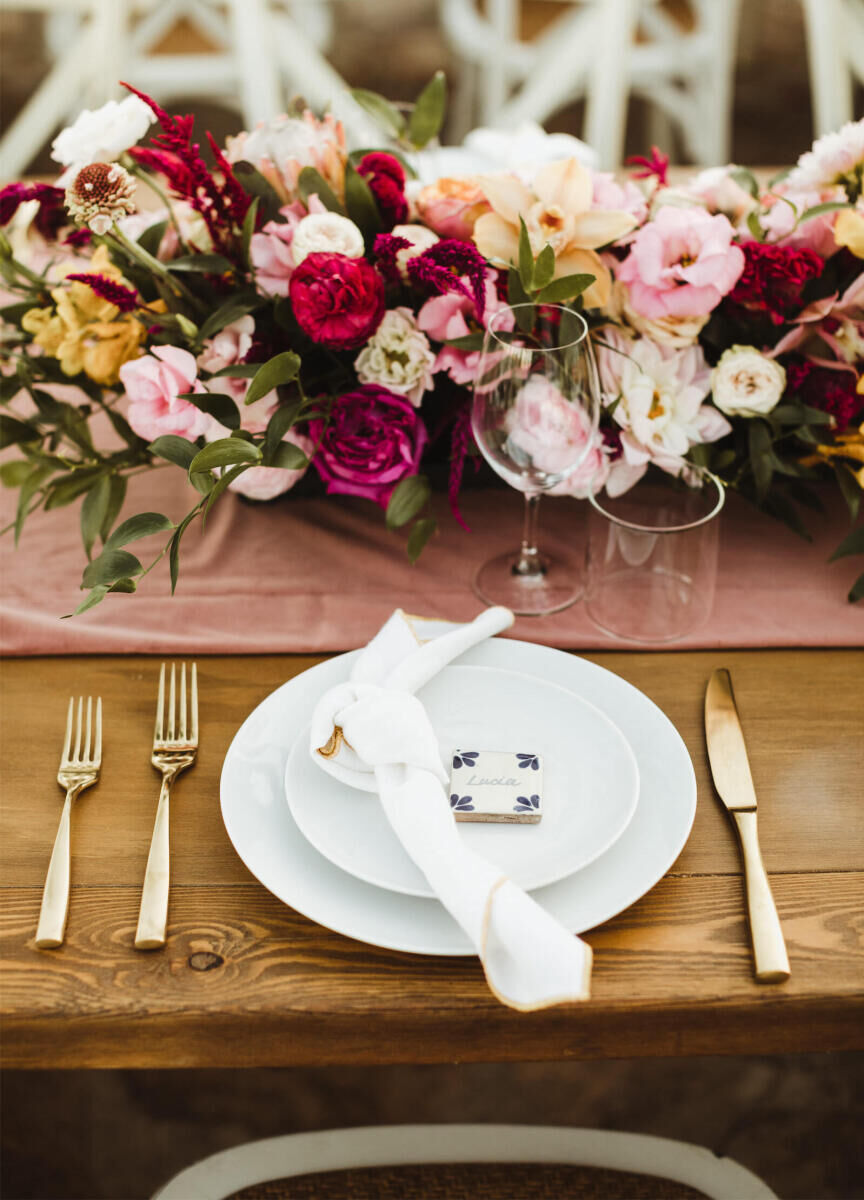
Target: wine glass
535	415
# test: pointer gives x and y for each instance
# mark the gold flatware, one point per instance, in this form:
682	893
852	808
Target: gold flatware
731	770
79	769
175	746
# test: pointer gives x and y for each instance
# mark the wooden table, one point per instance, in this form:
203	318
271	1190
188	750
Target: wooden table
245	981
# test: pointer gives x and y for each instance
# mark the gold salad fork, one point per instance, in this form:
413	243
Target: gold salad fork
78	770
175	745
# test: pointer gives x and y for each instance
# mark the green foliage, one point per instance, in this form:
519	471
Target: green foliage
224	452
283	368
421	532
312	183
361	205
427	116
406	500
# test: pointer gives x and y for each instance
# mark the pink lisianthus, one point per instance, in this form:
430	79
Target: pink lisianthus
681	264
784	209
372	440
271	251
555	433
338	301
445	318
154	385
626	196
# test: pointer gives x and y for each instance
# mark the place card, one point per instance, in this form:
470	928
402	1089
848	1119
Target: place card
492	785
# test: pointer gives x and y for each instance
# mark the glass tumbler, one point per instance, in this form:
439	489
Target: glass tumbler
651	560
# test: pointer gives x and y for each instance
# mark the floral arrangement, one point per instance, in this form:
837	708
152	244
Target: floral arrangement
294	309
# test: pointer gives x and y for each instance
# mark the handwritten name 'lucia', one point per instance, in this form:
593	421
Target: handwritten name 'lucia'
478	781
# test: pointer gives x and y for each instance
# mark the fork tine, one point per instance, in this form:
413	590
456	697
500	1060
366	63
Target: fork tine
97	752
172	706
78	729
193	715
159	732
67	741
89	743
182	731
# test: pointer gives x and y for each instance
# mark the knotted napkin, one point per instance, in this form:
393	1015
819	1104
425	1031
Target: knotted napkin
373	733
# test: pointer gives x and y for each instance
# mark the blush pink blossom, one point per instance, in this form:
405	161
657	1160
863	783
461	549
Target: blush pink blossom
784	210
556	433
624	196
682	264
266	483
445	318
154	385
226	349
271	252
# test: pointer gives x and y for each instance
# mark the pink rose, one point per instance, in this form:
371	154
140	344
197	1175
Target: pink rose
445	318
554	432
266	483
373	439
681	264
338	301
451	207
154	385
271	251
226	349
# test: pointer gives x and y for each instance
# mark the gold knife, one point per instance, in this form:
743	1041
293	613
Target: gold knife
731	770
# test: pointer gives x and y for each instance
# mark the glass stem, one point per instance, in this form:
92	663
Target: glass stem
528	562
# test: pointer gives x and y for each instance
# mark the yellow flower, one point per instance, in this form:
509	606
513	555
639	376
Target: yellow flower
84	332
848	446
557	211
849	231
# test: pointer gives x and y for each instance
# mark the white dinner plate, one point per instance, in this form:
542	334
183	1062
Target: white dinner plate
589	793
267	839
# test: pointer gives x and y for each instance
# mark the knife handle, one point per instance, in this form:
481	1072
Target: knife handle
769	948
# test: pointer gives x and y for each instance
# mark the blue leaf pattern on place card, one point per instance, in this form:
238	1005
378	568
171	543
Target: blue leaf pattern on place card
465	758
529	760
461	803
524	803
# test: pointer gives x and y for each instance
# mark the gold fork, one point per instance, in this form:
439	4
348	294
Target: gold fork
175	745
78	770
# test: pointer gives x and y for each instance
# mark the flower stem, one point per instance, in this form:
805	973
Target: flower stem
528	562
155	266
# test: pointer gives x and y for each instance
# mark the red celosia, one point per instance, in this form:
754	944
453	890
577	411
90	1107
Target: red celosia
386	178
51	216
773	279
386	248
654	166
124	298
221	202
828	389
460	441
441	267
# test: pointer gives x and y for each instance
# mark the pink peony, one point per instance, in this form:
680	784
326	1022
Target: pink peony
338	301
373	439
556	433
445	318
681	264
451	207
154	384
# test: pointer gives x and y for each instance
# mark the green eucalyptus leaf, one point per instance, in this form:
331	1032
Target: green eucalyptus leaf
93	512
312	183
110	566
427	116
746	180
289	457
13	431
235	307
360	203
544	268
282	369
849	489
174	449
387	115
96	595
224	452
140	526
421	531
151	239
516	293
204	264
853	543
856	592
28	492
760	456
250	223
818	209
471	341
124	585
202	481
174	548
69	487
217	405
13	474
254	184
238	371
406	500
278	425
754	226
568	287
224	481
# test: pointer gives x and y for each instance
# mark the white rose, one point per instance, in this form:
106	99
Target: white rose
745	383
420	238
398	356
103	134
326	233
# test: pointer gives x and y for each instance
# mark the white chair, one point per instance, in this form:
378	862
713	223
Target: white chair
679	58
275	1159
835	52
259	46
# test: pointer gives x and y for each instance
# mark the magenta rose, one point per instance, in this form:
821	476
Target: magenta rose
338	301
373	439
386	178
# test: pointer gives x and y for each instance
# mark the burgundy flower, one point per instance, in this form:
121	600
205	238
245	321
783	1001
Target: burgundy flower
373	439
829	390
338	301
386	178
386	249
653	166
440	268
52	213
773	279
124	298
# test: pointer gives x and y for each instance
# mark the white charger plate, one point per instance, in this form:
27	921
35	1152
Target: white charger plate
267	839
590	783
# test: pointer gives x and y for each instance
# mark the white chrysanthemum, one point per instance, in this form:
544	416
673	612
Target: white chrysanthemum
398	356
326	233
835	158
745	383
420	238
102	134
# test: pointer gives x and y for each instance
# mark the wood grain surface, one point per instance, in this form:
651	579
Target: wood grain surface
246	981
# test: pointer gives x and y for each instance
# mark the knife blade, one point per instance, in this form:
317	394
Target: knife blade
730	768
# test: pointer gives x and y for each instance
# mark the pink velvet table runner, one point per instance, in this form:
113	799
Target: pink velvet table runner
323	574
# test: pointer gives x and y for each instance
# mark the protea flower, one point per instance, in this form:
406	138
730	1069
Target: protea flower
281	148
101	194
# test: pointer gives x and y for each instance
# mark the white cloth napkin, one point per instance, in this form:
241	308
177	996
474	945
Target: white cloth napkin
374	734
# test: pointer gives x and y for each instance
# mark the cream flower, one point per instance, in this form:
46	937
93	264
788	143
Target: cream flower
398	356
745	383
557	212
849	230
420	238
103	134
326	233
835	158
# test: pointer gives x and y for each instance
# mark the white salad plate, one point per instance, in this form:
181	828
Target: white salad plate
268	840
590	783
